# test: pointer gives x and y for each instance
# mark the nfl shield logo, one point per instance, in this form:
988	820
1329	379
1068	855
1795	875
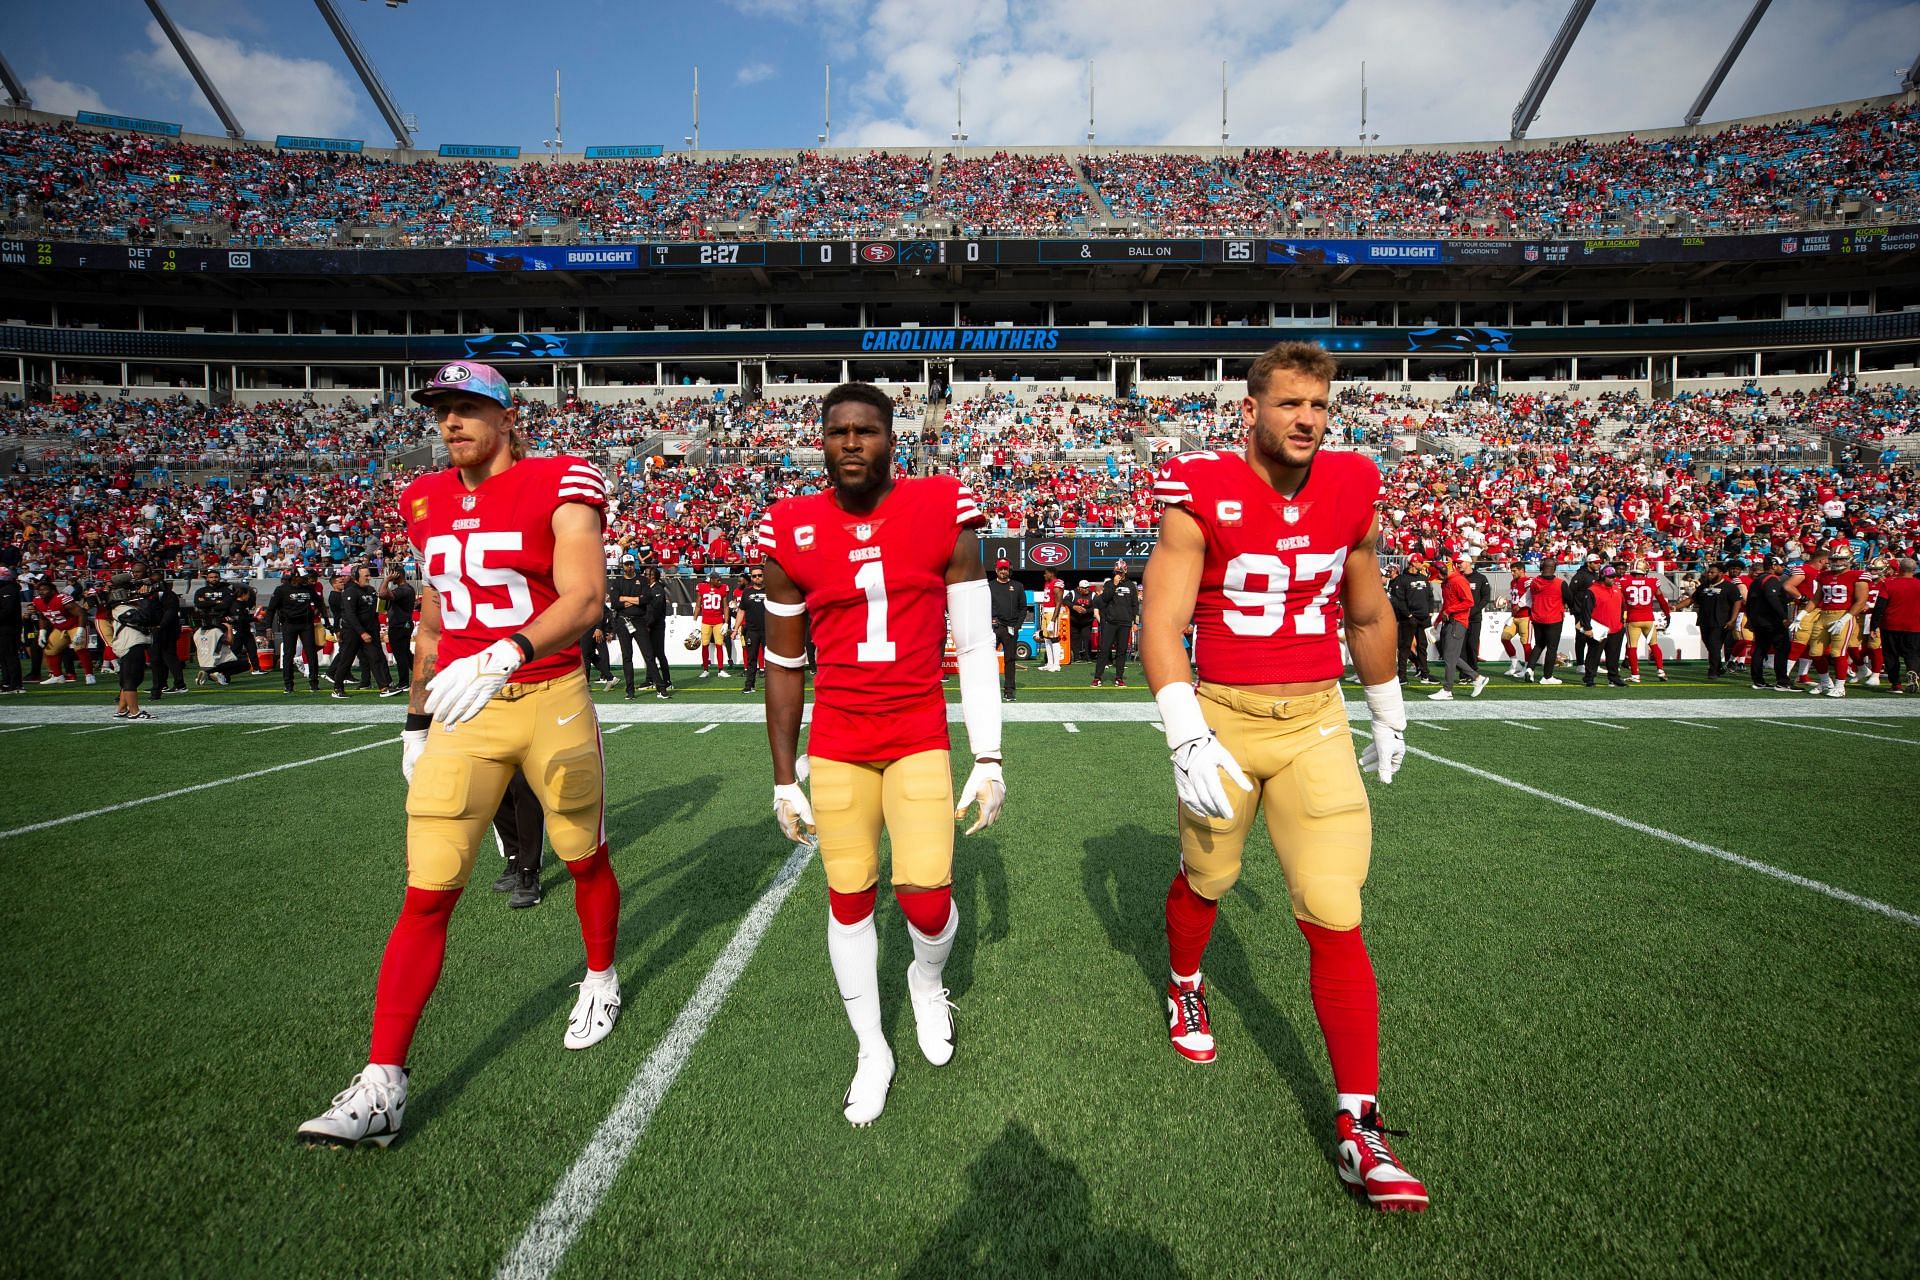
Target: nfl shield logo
1790	244
1531	253
863	531
1290	513
469	502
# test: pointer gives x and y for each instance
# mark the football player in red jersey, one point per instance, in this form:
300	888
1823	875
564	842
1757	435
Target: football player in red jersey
511	547
1264	552
881	567
712	599
1641	590
1868	649
1519	623
1803	590
64	633
1842	599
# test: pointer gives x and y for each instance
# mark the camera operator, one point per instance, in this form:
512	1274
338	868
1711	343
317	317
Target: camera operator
130	609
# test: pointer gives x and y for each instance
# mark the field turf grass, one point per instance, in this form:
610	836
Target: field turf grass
1616	1054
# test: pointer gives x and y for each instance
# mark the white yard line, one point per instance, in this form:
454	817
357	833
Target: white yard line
1431	724
1850	733
1691	725
168	733
1712	851
553	1230
105	728
1602	724
22	728
1531	728
619	728
707	728
272	728
355	728
1070	726
32	827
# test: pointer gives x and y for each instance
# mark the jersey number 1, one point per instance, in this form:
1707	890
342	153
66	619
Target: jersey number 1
872	579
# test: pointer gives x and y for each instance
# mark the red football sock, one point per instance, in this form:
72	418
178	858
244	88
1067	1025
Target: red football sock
1659	662
1796	651
1506	644
1189	925
1633	662
1347	1003
56	664
408	971
852	908
1840	665
1820	665
596	900
84	656
926	909
1877	659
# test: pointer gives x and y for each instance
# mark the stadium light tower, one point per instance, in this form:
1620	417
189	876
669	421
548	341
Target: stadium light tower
826	110
363	67
1529	109
1910	79
959	109
556	142
1223	105
693	140
198	72
1727	59
1089	100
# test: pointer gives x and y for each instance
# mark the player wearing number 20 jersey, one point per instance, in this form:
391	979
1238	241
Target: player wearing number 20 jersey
512	549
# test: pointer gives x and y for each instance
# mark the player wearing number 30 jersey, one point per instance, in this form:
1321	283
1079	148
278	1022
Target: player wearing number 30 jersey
1266	552
882	568
511	548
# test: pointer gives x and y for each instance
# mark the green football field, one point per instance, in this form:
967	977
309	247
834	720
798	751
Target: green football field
1649	978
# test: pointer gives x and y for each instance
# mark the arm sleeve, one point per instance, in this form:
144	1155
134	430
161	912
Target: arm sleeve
970	615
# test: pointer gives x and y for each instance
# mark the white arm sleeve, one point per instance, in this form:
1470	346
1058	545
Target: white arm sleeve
970	615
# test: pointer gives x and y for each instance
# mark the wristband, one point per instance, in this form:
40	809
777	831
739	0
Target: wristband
1387	705
1180	712
418	720
524	645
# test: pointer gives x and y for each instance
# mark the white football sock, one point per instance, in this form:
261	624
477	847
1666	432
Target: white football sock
1187	979
388	1072
602	975
930	953
854	950
1800	666
1354	1104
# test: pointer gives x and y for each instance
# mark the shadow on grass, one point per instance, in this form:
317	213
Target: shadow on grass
1029	1214
706	887
1125	874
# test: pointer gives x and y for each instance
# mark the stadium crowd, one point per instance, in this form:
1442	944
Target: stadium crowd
67	180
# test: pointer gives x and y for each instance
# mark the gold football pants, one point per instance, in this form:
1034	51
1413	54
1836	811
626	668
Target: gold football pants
912	797
1824	641
548	731
1299	753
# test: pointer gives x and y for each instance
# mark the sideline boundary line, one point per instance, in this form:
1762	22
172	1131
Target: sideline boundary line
1712	851
32	827
1851	733
544	1244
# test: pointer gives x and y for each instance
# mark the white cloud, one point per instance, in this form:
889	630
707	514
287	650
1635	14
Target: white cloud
269	92
754	73
1437	70
62	97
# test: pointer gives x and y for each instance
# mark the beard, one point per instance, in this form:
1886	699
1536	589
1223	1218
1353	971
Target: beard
1274	446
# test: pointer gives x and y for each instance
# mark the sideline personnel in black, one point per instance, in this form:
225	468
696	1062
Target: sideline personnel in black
1412	599
400	597
246	605
522	829
1009	615
654	648
629	622
1768	612
358	627
1714	602
295	606
11	601
1580	605
166	641
750	619
1118	604
1482	597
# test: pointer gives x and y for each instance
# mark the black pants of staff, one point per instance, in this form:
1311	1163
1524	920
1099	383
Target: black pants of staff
167	666
1903	651
753	651
244	647
655	653
1714	640
301	634
1413	648
1080	636
1009	643
1580	646
1770	643
133	668
521	826
400	640
1546	646
625	636
372	660
1607	650
1470	651
597	655
1113	648
10	673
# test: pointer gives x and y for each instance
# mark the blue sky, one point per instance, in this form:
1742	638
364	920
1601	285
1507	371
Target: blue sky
481	71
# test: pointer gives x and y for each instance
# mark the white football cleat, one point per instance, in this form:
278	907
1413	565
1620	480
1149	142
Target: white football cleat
368	1110
1550	680
1479	684
932	1019
1440	695
594	1013
1873	680
867	1095
1838	690
1634	678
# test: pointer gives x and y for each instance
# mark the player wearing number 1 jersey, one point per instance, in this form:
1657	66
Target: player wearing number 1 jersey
511	547
1265	552
882	568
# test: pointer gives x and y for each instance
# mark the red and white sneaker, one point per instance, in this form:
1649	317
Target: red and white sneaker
1187	1024
1367	1164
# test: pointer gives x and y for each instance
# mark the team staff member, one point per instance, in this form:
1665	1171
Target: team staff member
1118	606
1578	604
1482	597
1009	615
513	548
750	621
1267	729
125	612
521	827
1546	598
401	599
166	641
657	605
294	607
629	621
246	612
1600	613
1900	623
1456	607
1412	599
358	615
1767	611
12	613
1714	603
1080	623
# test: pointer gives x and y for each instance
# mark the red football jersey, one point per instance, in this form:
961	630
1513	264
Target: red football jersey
1836	590
1520	594
876	593
1641	590
58	612
713	604
1809	583
1269	599
488	552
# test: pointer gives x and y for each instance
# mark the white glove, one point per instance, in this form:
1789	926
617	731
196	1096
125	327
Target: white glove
1388	749
985	785
467	684
1197	766
413	742
1838	627
793	812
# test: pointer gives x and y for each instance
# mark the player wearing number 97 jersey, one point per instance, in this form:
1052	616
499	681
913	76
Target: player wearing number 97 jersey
1266	552
511	548
882	568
